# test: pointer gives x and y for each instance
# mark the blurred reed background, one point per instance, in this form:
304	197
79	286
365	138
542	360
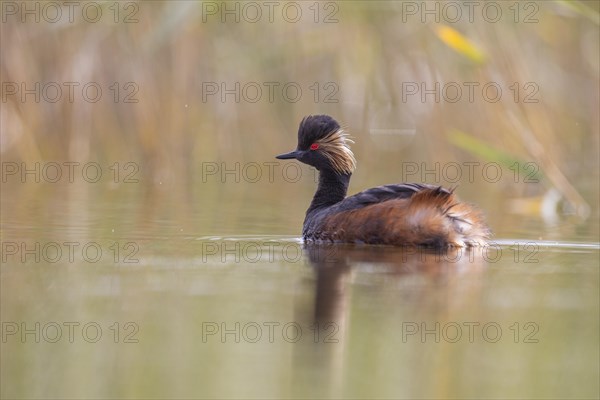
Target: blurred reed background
361	54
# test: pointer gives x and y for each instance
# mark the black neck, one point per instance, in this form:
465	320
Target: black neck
332	189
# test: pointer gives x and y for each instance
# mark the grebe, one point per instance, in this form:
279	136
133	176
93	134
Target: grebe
406	214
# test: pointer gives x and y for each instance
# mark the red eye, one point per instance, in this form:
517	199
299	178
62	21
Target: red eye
314	146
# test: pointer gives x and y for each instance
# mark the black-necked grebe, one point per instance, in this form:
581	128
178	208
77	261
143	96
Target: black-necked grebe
407	214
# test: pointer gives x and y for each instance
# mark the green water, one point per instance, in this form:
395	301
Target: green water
168	310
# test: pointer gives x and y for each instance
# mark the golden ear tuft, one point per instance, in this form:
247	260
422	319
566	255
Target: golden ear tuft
335	147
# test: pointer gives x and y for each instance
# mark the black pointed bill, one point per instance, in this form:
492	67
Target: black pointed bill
290	155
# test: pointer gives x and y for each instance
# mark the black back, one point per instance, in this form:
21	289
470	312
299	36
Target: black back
383	193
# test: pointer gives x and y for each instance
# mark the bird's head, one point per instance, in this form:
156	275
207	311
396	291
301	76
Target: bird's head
323	144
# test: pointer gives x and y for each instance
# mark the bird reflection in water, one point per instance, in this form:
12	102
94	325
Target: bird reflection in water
335	265
426	280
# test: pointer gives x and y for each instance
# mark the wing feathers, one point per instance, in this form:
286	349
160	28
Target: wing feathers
407	214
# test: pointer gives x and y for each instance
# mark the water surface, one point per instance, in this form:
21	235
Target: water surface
169	310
